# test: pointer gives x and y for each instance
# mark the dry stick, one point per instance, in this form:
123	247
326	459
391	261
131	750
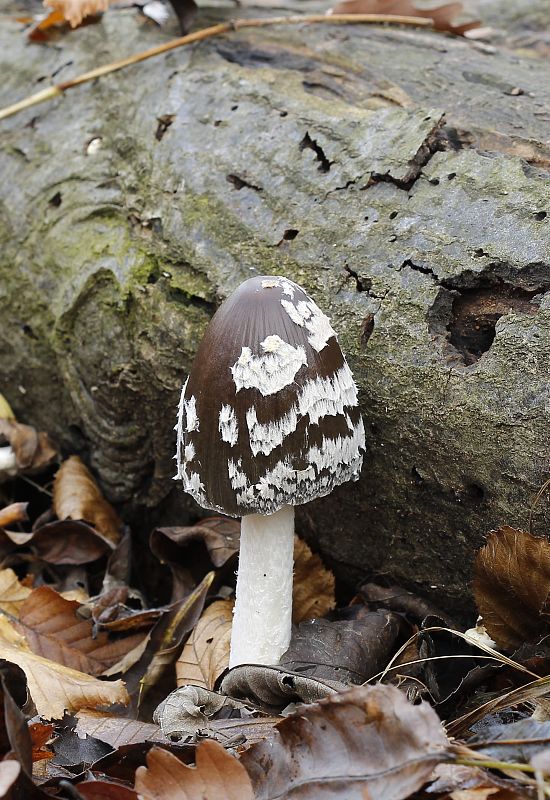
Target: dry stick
198	36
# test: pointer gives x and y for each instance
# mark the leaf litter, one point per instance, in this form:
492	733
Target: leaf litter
383	697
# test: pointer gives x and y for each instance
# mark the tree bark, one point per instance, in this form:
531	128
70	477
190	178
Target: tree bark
400	176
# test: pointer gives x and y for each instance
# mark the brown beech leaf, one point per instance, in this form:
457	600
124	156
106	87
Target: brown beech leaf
105	790
61	542
117	731
77	496
206	653
313	589
511	586
33	451
12	592
366	742
16	512
442	16
216	776
55	689
53	630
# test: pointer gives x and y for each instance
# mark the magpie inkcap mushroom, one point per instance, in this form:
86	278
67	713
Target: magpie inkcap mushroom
268	419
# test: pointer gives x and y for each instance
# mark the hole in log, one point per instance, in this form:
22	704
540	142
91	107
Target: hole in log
475	313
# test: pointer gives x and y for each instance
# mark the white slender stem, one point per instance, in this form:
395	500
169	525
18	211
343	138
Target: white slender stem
8	461
263	609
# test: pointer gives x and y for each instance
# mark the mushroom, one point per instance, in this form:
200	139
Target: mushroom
268	419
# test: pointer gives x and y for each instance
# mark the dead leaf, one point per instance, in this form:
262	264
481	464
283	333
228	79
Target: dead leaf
33	451
442	16
105	790
396	598
217	776
40	734
39	32
366	742
117	731
511	586
273	688
165	641
74	11
313	589
192	713
12	592
455	782
62	542
53	630
55	689
16	512
205	656
77	496
348	651
191	551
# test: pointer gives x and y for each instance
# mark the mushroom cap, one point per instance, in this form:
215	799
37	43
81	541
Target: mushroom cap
268	416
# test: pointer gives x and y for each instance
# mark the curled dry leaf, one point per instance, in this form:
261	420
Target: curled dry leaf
77	496
366	742
216	776
74	11
313	589
205	655
16	512
33	451
55	689
52	629
511	586
348	651
273	688
64	542
443	17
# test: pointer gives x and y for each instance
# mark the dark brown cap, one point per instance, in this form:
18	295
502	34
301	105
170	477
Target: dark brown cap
268	416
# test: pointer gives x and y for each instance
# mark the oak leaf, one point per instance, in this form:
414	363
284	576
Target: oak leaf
77	496
217	776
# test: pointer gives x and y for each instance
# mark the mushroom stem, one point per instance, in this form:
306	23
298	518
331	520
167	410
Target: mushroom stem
263	609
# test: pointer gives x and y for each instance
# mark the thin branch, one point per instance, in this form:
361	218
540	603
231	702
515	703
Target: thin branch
198	36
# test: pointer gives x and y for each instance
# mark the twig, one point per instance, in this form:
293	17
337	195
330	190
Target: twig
58	89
